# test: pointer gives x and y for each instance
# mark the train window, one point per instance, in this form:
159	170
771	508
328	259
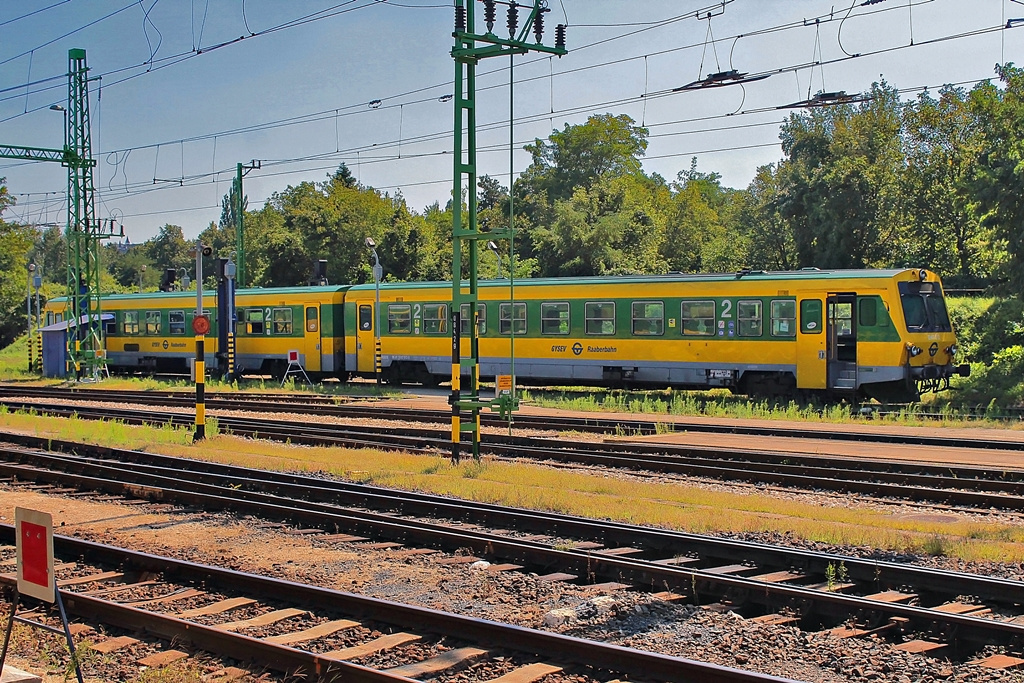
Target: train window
312	321
783	318
648	318
937	312
842	317
506	313
152	322
130	325
698	317
481	320
554	318
435	318
810	316
282	319
600	317
176	321
254	321
399	319
867	313
365	318
749	315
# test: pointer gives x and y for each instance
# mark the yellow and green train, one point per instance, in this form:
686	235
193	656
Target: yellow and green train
879	333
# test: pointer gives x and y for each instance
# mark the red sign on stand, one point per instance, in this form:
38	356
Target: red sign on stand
35	553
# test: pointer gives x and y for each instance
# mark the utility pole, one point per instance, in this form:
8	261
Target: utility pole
465	231
241	171
84	231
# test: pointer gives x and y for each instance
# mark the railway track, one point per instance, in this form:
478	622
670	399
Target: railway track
315	633
973	487
335	406
920	609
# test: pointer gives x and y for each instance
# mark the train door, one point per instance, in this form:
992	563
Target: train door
312	333
842	342
365	346
811	355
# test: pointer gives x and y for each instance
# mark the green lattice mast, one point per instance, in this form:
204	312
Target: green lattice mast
465	232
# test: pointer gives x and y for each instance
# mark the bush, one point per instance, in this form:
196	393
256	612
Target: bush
999	384
998	328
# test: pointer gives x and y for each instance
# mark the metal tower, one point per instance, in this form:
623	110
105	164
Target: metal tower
84	231
465	231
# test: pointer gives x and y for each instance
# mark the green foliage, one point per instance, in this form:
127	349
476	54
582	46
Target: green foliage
999	183
969	316
998	383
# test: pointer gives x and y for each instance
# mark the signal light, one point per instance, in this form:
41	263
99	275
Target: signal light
513	18
489	14
560	37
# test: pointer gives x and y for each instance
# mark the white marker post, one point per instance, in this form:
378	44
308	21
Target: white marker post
34	531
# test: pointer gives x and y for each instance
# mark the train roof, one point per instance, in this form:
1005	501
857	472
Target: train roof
746	275
760	275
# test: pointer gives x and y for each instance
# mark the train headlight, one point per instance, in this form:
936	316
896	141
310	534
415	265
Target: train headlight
952	349
914	350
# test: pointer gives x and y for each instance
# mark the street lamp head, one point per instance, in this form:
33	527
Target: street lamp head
370	243
31	267
492	246
57	107
143	268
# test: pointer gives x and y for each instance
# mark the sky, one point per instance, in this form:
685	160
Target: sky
187	89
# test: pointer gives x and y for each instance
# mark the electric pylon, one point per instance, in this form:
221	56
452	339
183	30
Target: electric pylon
465	232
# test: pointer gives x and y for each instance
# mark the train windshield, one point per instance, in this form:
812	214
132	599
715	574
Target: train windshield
924	307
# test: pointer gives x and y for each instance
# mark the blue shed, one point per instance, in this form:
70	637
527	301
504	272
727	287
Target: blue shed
55	345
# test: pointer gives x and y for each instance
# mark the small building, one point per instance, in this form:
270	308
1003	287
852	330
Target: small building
55	345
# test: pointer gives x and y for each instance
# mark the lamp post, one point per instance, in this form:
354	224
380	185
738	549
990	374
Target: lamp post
28	311
377	273
142	271
494	247
183	279
37	282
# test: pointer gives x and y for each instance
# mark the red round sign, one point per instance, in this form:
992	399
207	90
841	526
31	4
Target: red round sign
201	324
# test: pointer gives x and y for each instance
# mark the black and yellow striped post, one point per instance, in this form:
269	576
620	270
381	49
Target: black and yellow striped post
39	352
456	383
200	433
231	356
378	359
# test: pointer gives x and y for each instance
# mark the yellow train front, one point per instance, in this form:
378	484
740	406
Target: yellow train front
854	333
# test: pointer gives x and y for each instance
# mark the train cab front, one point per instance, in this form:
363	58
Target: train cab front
930	349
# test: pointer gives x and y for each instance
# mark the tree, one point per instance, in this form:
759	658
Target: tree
168	249
577	156
700	233
615	227
344	176
229	207
999	185
15	242
841	181
770	244
944	229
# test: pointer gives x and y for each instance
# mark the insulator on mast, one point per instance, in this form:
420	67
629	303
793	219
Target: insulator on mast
489	14
460	19
538	24
560	36
513	18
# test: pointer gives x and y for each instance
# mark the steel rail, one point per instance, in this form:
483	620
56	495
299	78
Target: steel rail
588	653
961	486
769	596
318	405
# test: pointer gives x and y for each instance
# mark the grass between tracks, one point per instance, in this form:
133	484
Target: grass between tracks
597	495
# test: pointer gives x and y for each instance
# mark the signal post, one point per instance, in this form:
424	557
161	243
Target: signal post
470	47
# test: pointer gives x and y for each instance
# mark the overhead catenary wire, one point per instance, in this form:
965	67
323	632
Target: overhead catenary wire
571	111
